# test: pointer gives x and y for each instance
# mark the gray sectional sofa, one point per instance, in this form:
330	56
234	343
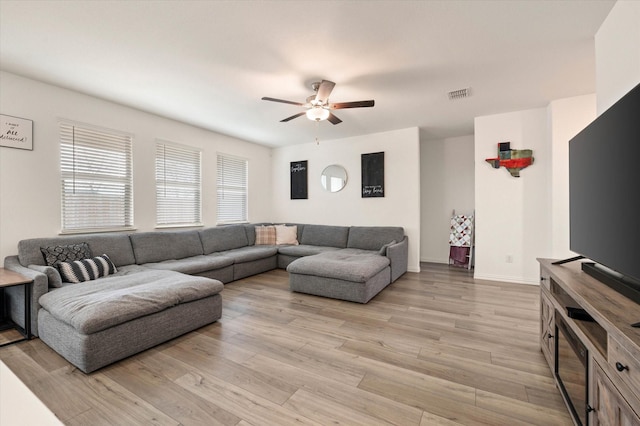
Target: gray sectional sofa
168	283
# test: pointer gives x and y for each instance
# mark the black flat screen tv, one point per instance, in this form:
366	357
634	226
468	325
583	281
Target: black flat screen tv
604	195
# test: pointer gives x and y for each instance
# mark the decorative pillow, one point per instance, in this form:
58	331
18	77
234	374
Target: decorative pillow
286	234
67	253
87	269
265	235
383	249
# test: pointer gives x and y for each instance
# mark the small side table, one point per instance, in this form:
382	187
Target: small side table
9	279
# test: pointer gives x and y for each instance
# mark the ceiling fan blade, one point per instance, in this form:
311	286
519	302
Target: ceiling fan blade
333	119
282	101
293	116
356	104
325	89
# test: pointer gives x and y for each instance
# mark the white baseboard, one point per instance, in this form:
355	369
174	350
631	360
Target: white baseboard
444	260
504	278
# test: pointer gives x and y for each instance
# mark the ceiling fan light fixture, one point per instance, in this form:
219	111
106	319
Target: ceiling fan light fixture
317	107
317	113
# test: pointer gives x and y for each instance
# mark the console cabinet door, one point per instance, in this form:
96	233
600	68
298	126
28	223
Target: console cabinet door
610	409
547	329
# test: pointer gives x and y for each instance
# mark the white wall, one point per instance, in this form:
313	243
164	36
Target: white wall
20	406
618	53
446	183
399	207
567	117
30	182
512	214
529	217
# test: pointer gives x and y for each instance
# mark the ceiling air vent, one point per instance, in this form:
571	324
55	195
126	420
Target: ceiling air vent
459	94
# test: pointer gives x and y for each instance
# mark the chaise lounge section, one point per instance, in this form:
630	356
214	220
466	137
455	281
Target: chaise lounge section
372	258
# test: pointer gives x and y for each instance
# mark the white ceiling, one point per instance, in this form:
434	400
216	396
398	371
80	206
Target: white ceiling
208	63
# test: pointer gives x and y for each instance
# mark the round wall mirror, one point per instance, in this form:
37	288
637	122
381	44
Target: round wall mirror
333	178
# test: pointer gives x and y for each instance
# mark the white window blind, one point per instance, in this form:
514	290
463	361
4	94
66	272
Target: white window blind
178	201
232	189
95	169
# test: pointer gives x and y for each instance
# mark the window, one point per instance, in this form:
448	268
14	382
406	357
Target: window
178	201
95	169
232	189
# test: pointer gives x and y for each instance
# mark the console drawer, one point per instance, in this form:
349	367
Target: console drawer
626	366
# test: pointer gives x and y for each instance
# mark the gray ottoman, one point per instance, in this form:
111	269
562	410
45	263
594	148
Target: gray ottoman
345	274
95	323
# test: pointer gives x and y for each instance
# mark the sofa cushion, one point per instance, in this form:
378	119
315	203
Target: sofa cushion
373	237
250	253
221	238
194	264
116	246
89	307
265	235
325	235
340	265
304	250
86	269
152	247
53	255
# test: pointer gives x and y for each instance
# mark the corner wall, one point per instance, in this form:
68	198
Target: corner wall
618	53
567	118
399	207
30	180
512	214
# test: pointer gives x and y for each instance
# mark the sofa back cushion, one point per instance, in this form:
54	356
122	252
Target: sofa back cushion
158	246
373	237
116	246
325	235
221	238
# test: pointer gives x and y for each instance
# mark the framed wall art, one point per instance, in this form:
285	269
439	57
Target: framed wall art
373	175
299	180
16	132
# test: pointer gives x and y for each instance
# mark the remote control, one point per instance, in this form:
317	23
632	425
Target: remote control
636	325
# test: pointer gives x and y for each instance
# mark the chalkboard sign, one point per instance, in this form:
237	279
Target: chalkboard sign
373	175
299	180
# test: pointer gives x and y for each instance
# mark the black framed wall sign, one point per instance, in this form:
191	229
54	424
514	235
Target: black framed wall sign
373	175
299	180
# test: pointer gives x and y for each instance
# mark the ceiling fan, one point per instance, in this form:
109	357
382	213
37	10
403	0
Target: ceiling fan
318	107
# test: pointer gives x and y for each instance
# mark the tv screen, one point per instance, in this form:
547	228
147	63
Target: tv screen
604	188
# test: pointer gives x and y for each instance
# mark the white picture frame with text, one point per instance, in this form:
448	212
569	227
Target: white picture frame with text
16	132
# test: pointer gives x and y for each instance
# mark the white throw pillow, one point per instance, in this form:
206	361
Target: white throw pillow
286	234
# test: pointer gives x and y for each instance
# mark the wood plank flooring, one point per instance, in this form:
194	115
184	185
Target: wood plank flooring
434	348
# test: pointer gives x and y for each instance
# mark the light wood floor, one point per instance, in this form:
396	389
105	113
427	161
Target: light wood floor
434	348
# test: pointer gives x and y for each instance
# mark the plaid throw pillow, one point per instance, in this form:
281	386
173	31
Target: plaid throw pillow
265	235
53	255
86	269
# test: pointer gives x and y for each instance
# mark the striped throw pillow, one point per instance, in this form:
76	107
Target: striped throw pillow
86	269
